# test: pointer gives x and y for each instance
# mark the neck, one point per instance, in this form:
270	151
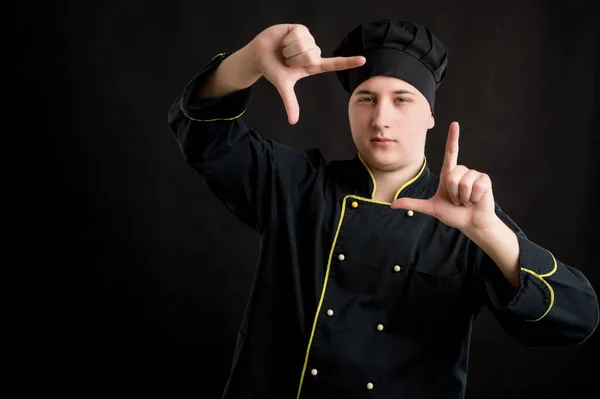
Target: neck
389	182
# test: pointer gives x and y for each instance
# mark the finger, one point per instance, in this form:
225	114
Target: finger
417	205
311	57
452	180
339	64
451	155
299	47
295	32
482	185
290	102
465	187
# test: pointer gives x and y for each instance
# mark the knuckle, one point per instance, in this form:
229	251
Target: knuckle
452	182
453	179
304	45
301	30
464	184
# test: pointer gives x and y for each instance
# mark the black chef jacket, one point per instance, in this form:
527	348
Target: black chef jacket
351	298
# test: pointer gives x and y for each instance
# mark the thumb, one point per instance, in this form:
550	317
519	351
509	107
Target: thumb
417	205
286	91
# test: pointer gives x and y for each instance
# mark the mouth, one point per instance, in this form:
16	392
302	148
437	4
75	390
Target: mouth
382	141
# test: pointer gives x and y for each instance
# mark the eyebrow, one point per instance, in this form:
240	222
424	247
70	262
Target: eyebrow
394	92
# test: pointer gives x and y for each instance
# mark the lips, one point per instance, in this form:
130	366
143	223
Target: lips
381	139
382	142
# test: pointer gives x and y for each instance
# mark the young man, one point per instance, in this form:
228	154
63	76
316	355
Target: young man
372	270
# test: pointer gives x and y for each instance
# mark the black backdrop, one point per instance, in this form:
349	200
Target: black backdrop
144	275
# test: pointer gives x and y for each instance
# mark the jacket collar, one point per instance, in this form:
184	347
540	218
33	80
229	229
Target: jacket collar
365	185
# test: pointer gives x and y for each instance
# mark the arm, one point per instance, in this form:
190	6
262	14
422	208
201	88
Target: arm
235	73
501	244
253	177
537	299
554	303
248	174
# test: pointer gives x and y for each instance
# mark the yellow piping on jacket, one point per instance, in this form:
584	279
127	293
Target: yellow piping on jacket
541	278
401	188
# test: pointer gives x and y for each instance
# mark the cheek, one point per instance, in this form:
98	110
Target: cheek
413	128
419	120
359	120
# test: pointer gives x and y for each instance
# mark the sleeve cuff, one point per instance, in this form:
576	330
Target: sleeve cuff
535	296
228	107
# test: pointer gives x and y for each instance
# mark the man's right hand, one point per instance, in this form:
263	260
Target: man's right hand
286	53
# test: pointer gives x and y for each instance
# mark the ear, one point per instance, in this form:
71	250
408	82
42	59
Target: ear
431	122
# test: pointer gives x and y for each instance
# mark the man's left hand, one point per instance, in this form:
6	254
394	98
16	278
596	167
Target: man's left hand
464	199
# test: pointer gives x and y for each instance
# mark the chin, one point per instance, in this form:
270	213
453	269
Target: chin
383	162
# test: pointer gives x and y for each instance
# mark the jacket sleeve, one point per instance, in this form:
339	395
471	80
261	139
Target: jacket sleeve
555	304
254	178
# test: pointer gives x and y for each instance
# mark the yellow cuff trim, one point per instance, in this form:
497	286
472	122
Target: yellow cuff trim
218	55
541	278
213	120
217	119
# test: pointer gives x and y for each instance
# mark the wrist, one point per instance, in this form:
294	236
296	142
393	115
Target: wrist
486	233
236	72
249	56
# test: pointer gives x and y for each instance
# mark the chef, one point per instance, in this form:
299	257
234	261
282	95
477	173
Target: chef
372	270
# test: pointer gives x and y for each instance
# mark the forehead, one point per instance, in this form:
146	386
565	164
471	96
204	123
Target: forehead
385	84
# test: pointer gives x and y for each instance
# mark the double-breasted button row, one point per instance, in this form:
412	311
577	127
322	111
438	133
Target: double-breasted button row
330	312
342	257
369	385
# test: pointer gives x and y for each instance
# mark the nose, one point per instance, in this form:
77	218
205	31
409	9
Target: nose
380	116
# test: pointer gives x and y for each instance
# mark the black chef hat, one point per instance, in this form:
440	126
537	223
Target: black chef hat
401	49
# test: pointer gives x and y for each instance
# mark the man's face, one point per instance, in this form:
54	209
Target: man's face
389	119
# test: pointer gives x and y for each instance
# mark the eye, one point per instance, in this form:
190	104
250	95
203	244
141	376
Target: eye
366	100
402	100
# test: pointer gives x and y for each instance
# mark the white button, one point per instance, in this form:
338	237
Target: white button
341	257
370	385
329	312
314	372
410	213
380	327
396	268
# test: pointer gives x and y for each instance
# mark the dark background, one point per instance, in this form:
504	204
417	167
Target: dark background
142	275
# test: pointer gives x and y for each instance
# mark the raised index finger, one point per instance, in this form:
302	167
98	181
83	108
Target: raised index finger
340	63
451	155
